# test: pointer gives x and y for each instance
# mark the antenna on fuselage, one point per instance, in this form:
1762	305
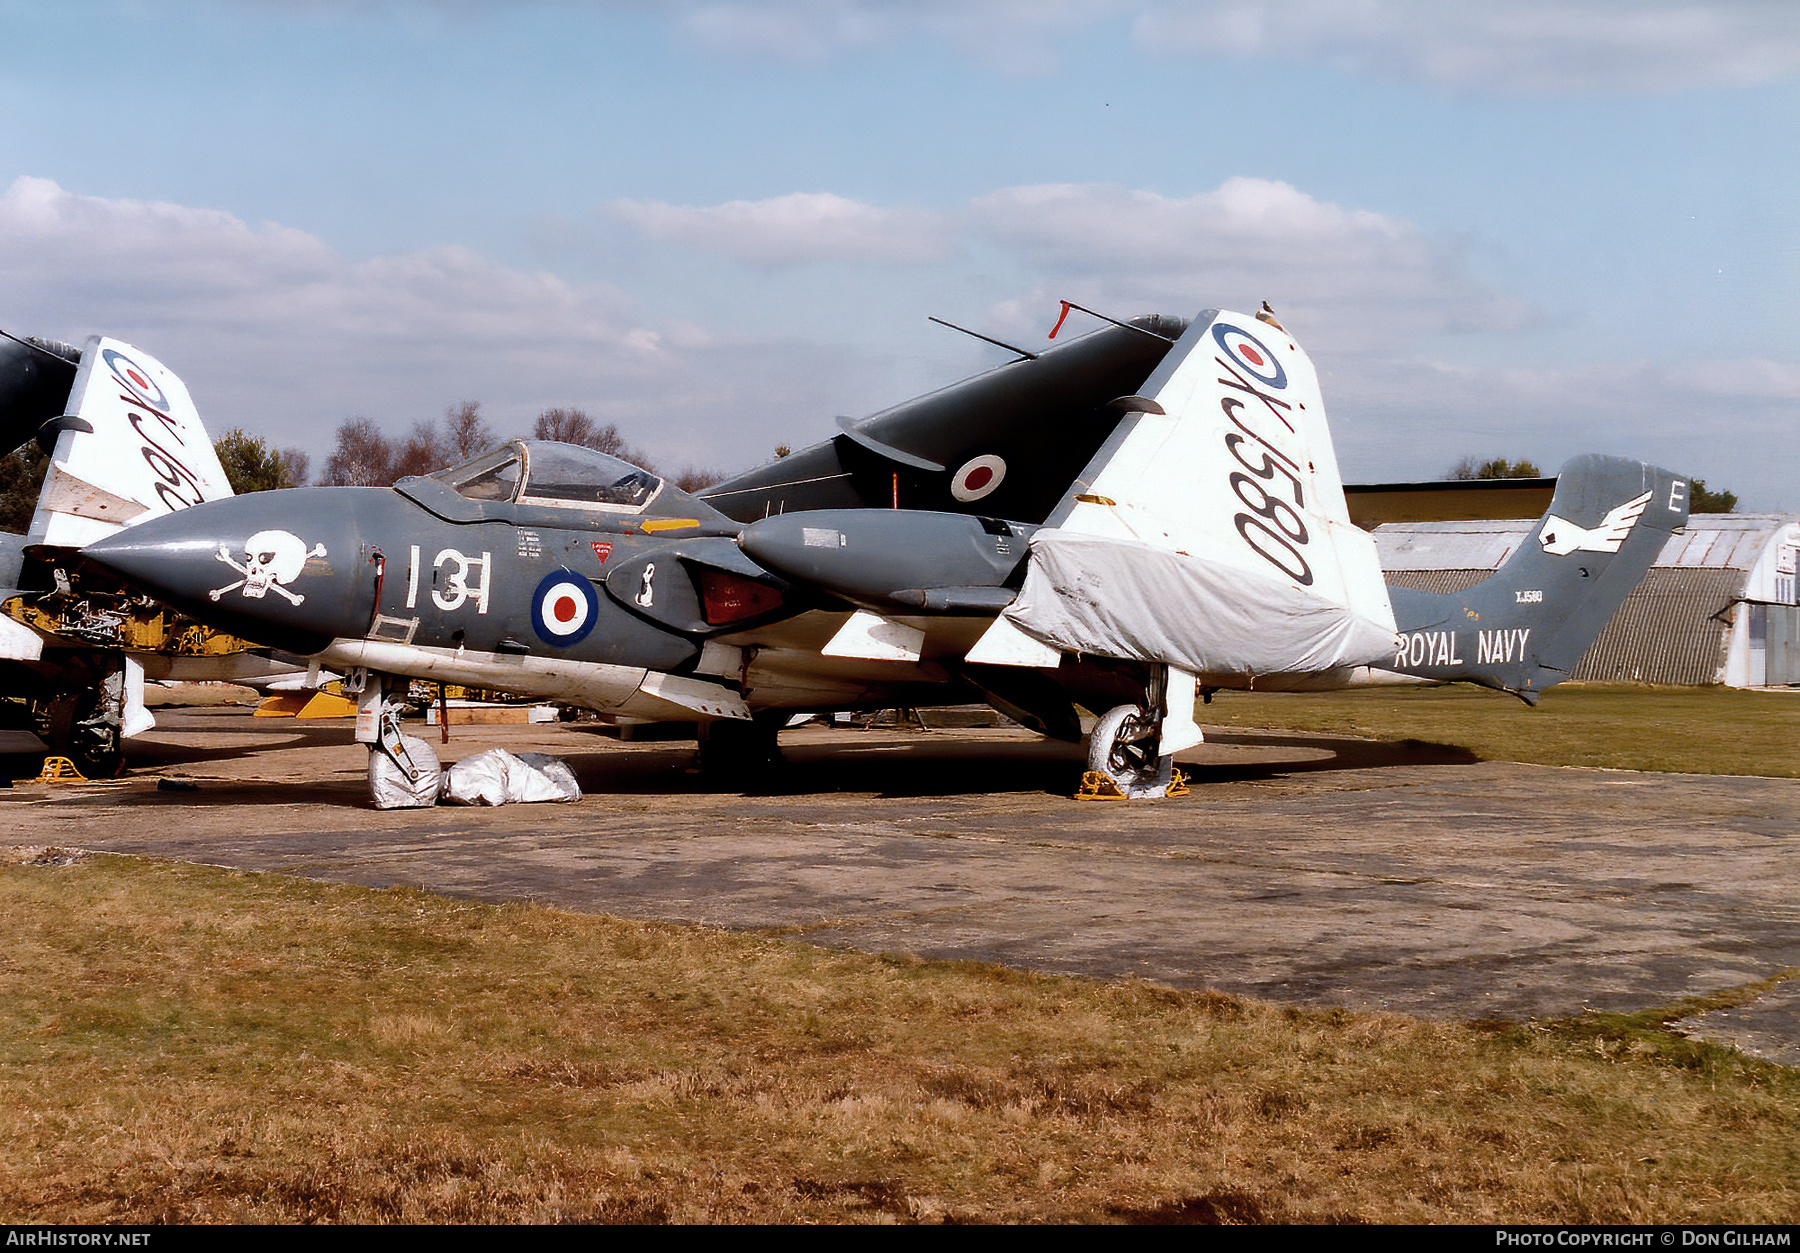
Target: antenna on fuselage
1070	304
998	343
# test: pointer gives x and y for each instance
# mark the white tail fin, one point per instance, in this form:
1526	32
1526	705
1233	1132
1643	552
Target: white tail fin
131	446
1210	531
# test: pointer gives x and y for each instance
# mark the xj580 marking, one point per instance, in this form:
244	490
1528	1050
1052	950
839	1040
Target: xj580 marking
1121	522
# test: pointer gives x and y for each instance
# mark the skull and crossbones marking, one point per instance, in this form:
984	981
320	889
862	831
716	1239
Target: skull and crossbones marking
271	559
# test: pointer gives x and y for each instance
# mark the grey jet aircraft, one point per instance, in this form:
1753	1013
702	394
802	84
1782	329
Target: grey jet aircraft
1124	522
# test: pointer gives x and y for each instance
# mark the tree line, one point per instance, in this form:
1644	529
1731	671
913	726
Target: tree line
1701	499
365	457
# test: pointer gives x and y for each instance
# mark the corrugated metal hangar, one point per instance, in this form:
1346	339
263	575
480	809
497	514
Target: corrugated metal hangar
1719	605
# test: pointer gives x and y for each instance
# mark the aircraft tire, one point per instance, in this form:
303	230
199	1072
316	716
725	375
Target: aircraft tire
1123	748
75	725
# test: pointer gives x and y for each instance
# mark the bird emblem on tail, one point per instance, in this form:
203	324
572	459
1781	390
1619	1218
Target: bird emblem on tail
1560	537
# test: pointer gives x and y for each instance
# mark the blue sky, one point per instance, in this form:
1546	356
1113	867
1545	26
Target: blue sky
1533	228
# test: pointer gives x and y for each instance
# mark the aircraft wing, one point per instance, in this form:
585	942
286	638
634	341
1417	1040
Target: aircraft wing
131	446
1001	444
1210	532
35	379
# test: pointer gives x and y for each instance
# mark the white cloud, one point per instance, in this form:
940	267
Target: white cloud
795	229
1014	36
1512	45
809	30
1730	422
276	331
1504	45
1368	276
273	329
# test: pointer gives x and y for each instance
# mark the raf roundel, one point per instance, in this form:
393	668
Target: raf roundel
564	608
137	378
978	477
1250	354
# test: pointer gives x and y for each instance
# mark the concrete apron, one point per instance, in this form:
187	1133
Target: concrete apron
1303	868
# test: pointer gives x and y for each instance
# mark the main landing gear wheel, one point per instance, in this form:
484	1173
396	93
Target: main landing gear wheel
1123	762
85	725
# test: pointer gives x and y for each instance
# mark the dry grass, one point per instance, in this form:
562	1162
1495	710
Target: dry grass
1682	730
185	1044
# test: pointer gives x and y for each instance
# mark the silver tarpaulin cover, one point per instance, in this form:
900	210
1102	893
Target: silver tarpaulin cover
389	786
1117	598
497	777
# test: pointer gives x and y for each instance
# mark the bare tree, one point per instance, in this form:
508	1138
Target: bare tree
363	457
694	478
566	426
423	451
468	432
295	466
572	426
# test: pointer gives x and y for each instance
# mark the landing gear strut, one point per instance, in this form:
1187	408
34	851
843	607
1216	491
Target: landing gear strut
403	769
85	723
1131	752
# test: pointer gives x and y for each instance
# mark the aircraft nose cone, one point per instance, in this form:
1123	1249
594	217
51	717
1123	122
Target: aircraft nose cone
277	568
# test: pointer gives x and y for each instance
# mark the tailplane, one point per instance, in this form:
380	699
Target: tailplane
1526	627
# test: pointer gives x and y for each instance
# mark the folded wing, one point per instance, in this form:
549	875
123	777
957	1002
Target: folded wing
1210	532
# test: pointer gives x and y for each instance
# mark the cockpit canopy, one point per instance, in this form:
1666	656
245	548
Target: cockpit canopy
537	472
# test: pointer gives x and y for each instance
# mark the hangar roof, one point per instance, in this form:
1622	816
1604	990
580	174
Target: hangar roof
1731	541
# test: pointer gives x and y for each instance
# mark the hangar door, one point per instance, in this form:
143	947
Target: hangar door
1778	627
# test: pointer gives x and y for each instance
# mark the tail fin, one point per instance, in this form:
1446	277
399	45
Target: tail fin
129	446
1526	626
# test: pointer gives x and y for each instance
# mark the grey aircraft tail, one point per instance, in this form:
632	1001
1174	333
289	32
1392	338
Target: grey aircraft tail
1526	626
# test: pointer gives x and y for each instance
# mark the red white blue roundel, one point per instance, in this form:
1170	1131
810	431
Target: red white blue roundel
564	608
977	477
1250	353
135	377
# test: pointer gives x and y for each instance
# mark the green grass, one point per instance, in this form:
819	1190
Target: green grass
1679	730
180	1043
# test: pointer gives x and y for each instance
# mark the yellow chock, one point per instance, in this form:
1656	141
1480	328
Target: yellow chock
281	705
327	705
1098	787
60	770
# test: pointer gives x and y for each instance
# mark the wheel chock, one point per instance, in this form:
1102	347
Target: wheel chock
1096	786
60	770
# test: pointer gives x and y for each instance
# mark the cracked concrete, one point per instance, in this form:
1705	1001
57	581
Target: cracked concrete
1303	868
